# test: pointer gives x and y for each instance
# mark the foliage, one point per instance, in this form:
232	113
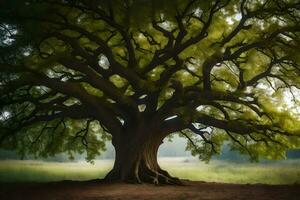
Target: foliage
76	73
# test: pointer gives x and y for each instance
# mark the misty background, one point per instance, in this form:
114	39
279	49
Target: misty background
170	148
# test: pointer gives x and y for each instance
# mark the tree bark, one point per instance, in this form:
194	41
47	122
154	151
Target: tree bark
136	158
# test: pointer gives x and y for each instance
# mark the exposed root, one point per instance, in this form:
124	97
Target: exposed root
160	179
174	179
156	177
145	175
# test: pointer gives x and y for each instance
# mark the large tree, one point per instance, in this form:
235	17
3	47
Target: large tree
77	73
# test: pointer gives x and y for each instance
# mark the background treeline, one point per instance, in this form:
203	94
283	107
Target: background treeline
174	148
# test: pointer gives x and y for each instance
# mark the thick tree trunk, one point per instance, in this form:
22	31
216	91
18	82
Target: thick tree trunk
136	159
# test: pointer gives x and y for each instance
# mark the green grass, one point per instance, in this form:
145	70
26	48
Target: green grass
39	171
282	172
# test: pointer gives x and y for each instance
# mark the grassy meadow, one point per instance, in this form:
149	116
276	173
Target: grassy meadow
281	172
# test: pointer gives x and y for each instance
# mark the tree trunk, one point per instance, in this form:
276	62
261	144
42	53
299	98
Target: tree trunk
136	159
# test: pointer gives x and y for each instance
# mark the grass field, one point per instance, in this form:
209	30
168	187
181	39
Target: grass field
281	172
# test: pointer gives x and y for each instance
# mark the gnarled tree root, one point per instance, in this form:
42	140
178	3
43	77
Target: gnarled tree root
158	177
145	175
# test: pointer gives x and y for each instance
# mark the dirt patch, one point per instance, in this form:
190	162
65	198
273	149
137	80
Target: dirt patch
96	190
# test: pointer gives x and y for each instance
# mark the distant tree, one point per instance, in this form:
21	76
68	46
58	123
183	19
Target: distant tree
76	73
293	154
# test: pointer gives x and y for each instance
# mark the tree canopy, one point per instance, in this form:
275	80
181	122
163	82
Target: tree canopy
77	73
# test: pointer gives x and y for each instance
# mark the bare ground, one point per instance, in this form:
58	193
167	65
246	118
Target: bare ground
97	190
